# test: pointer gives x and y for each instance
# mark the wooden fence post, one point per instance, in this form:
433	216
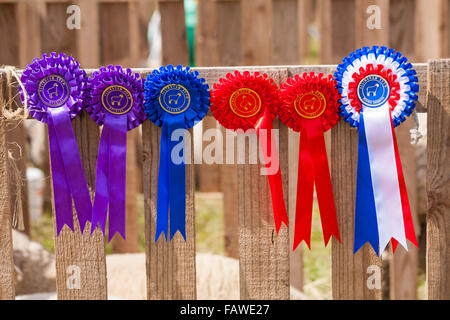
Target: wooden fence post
7	288
263	255
171	272
81	257
438	177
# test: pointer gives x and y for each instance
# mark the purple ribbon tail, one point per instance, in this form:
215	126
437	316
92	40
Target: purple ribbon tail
61	191
117	174
72	163
100	207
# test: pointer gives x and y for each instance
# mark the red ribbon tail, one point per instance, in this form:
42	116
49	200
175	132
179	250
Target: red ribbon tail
275	181
407	217
305	195
322	178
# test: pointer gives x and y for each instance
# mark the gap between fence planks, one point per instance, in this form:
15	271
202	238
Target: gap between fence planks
438	180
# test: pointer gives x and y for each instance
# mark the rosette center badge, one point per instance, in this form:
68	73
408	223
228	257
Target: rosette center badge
373	90
53	91
117	99
174	98
310	105
245	102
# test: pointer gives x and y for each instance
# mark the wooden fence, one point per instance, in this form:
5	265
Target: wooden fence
264	257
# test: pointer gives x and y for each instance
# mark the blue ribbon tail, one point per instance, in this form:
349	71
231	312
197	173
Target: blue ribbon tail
162	204
177	178
366	224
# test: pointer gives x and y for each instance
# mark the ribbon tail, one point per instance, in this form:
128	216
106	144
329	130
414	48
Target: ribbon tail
407	217
322	178
117	173
385	181
162	204
101	199
72	164
177	184
61	190
264	131
366	225
305	195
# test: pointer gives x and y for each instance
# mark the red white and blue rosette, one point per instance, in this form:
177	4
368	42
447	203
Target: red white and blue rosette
55	86
116	101
378	88
175	99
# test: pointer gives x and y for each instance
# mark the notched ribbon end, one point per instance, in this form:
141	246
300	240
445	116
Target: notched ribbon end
297	242
112	234
158	235
60	227
182	232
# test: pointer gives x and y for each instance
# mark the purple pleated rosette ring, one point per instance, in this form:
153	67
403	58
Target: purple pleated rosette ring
378	88
175	99
116	102
55	87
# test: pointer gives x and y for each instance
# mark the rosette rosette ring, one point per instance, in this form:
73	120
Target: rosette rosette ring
116	102
55	88
378	89
310	106
247	101
175	99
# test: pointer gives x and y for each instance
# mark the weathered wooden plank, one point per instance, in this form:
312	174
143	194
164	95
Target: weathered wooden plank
263	255
404	264
88	37
229	25
438	178
285	48
170	265
9	33
80	258
173	33
7	288
350	273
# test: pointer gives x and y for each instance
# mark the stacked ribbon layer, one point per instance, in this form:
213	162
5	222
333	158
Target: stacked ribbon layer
250	101
55	87
175	99
310	106
379	89
115	101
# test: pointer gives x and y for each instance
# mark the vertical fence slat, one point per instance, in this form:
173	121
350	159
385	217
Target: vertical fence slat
7	289
82	256
349	271
263	255
438	177
170	265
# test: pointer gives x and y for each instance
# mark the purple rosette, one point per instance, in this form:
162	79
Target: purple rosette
55	86
115	101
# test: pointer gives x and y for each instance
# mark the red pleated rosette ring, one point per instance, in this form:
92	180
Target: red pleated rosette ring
242	102
310	106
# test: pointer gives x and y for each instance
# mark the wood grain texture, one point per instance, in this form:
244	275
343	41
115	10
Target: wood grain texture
369	37
9	33
402	31
7	289
263	255
83	251
171	269
206	42
88	37
285	32
209	175
349	271
438	180
403	267
173	33
229	27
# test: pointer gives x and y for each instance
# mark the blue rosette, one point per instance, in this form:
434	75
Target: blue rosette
175	98
378	88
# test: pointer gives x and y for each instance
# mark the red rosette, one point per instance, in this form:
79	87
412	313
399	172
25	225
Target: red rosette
310	105
223	91
309	82
380	70
251	101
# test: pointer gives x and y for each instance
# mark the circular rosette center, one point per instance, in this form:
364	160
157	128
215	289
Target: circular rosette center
53	91
245	102
310	105
373	90
174	98
117	99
